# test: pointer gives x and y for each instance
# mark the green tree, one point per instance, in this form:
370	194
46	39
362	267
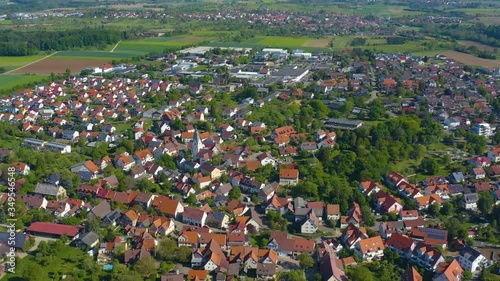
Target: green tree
430	166
466	275
434	209
235	193
486	202
33	272
146	266
305	260
191	199
360	273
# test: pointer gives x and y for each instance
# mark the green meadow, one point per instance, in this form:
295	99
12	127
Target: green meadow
10	63
8	81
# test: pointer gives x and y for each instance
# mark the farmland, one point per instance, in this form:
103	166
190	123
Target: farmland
93	55
59	65
470	59
10	63
8	81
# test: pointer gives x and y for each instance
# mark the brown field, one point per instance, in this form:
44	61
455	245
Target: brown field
317	43
50	65
490	20
478	45
470	59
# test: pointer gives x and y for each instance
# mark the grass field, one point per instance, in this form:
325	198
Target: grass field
157	44
93	55
8	81
10	63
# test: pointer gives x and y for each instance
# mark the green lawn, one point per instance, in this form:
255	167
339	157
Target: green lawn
8	81
14	62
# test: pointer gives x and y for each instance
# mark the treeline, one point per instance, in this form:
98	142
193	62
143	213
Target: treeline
15	43
396	40
358	41
488	35
473	50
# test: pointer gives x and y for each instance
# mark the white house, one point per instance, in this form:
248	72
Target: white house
471	259
370	248
469	201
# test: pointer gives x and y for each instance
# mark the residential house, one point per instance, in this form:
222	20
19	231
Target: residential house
194	216
124	161
370	248
478	173
141	157
86	167
289	176
21	168
310	224
469	201
51	190
494	154
368	187
332	211
472	260
330	267
411	274
449	271
426	256
88	240
402	245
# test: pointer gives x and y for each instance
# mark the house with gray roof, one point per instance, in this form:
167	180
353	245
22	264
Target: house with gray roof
51	190
88	240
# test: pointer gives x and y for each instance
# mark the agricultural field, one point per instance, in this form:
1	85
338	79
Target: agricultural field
93	55
10	63
157	44
59	65
8	81
470	59
478	45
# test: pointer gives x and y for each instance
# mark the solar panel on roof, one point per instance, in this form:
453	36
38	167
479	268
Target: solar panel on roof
436	236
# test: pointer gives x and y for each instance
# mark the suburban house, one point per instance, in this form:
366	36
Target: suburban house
449	271
141	157
125	161
51	190
289	176
367	187
86	167
194	216
310	224
494	154
332	211
21	168
472	260
469	201
370	248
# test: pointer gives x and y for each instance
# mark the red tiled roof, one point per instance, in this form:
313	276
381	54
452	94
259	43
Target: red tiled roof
53	229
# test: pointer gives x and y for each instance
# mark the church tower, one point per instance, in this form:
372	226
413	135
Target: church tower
197	144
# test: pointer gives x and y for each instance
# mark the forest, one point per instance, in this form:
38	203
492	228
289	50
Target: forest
27	43
488	35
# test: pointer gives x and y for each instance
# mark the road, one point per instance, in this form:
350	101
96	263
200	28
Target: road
373	96
46	57
112	50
